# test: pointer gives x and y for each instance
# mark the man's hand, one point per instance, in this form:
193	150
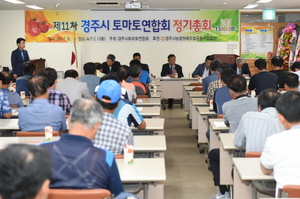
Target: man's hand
245	75
197	76
15	76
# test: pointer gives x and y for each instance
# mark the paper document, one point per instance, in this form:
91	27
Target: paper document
219	124
139	100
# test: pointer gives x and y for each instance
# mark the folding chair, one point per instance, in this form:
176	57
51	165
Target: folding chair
34	134
289	191
79	194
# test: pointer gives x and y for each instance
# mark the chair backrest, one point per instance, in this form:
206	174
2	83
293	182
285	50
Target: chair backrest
121	156
195	84
13	106
253	154
198	89
220	116
79	194
34	134
142	96
289	191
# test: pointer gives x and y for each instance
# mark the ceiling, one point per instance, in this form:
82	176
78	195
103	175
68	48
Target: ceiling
152	4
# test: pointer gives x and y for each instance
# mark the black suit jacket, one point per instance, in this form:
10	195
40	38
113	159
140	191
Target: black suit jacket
116	65
166	70
17	61
245	69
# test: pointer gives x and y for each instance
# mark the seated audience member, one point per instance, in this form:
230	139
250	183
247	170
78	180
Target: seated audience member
41	113
14	98
111	65
90	78
123	76
171	69
252	132
77	164
55	97
25	171
296	69
240	103
5	110
291	82
137	56
263	79
144	77
213	77
126	111
241	67
222	94
99	69
213	86
281	151
28	69
277	63
140	88
112	134
79	89
202	70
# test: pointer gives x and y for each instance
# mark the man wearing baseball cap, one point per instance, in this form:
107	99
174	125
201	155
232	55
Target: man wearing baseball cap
112	134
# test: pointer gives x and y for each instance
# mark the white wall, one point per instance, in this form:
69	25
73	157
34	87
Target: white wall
58	55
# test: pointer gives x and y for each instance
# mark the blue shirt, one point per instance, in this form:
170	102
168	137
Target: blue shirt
128	113
91	81
21	84
4	104
77	164
39	114
144	78
221	96
13	98
206	81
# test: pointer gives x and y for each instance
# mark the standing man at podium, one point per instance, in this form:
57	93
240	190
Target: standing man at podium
18	57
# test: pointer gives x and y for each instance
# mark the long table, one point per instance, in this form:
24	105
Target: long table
148	102
195	102
149	111
154	126
214	131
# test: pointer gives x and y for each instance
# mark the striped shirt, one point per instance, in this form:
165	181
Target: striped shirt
255	127
92	81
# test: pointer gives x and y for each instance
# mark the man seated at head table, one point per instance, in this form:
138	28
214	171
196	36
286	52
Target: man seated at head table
112	133
252	132
291	82
77	164
281	151
39	114
202	70
25	171
111	65
14	98
55	97
5	111
79	89
213	77
241	67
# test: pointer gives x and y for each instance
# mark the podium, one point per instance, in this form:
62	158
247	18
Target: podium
226	58
39	64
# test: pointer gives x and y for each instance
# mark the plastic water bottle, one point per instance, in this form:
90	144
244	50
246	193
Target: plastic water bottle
253	94
154	88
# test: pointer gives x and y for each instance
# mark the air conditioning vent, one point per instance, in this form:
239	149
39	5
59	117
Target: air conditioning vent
107	3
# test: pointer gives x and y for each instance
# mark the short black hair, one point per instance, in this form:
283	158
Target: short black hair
268	98
237	83
37	85
260	64
71	73
135	70
111	57
98	65
50	74
28	68
109	106
19	40
109	76
227	74
6	78
291	80
288	105
89	68
123	73
171	55
214	65
135	62
295	65
209	57
277	61
223	66
23	170
136	55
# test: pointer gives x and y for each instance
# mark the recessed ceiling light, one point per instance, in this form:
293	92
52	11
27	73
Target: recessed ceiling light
15	1
34	7
250	6
263	1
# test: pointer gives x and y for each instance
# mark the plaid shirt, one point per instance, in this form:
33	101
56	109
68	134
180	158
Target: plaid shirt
113	135
213	86
91	81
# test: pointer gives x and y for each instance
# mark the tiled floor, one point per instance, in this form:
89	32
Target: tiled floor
187	173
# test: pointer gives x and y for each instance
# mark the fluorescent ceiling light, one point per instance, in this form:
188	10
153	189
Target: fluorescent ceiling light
250	6
34	7
15	1
263	1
